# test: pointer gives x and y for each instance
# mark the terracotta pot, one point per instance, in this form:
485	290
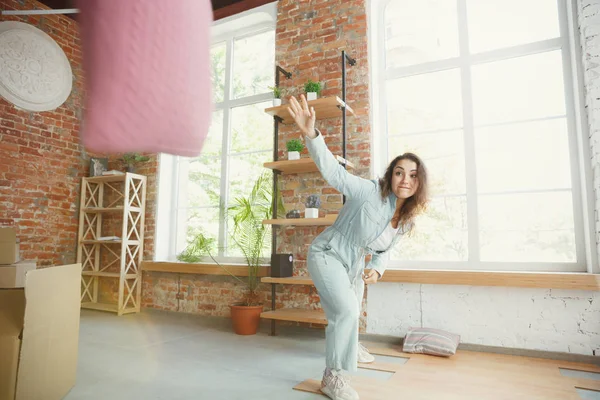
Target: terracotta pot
246	319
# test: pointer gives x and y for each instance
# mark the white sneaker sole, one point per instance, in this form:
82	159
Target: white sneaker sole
327	393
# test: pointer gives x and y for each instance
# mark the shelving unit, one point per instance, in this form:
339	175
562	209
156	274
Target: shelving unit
327	107
121	196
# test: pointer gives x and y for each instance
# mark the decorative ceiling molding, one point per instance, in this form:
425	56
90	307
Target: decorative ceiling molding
35	73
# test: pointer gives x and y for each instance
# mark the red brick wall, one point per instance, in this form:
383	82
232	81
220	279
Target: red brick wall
309	43
41	161
309	39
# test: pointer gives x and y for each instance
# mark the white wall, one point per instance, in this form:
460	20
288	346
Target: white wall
536	319
589	23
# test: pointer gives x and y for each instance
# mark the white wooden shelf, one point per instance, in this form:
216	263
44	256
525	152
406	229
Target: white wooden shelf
113	178
129	242
108	274
125	195
109	209
107	307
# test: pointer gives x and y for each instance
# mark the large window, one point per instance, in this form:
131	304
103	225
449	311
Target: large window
483	92
240	139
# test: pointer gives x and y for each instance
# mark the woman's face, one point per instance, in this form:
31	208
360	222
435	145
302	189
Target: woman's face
404	179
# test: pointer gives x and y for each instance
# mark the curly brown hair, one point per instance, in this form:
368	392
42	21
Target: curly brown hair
416	203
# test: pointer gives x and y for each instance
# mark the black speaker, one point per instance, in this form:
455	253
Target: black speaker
282	265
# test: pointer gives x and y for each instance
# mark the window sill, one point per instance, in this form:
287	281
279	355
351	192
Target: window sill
201	268
543	280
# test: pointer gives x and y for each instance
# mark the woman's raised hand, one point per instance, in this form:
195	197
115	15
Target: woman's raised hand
305	118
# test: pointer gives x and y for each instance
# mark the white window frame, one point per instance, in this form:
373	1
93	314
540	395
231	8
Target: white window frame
581	177
252	22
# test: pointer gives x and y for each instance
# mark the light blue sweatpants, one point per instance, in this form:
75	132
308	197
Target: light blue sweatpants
341	302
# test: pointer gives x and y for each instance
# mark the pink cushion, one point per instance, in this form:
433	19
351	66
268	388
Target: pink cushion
147	76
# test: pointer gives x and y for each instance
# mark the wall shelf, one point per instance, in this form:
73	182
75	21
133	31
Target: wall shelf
303	165
296	315
325	221
294	280
325	107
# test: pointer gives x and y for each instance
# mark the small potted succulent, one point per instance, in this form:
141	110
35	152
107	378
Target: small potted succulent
276	95
313	202
294	147
131	159
312	89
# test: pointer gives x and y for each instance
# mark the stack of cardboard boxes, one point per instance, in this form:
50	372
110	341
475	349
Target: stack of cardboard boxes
12	272
39	325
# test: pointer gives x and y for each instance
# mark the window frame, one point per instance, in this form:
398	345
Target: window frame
227	30
576	119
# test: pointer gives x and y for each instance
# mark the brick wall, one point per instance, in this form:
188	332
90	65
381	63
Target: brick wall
309	43
41	161
539	319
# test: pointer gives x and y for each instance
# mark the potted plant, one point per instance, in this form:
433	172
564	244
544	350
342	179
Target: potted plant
313	202
294	147
312	89
276	95
252	237
130	159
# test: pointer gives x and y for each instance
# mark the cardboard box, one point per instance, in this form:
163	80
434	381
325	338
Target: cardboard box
13	276
9	248
39	334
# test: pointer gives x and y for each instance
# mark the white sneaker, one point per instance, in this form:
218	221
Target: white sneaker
336	386
364	356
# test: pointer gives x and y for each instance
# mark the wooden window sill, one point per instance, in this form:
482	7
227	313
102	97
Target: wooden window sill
201	268
543	280
540	280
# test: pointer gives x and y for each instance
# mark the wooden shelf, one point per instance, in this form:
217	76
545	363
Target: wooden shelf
201	268
294	280
106	307
296	315
112	178
300	166
326	221
325	107
108	274
92	210
129	242
101	241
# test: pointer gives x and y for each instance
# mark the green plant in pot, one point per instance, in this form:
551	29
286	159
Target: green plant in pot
294	147
131	159
312	89
252	237
276	95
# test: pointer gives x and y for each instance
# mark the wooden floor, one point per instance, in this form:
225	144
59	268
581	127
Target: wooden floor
468	375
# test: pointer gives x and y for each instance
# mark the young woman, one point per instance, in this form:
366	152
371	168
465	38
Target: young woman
375	216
